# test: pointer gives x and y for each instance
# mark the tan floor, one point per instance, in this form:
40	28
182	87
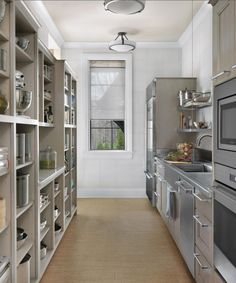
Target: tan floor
120	241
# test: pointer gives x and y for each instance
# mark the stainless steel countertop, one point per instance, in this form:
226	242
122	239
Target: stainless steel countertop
202	179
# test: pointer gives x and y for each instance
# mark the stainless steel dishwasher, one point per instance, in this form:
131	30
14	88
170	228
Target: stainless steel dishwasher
186	222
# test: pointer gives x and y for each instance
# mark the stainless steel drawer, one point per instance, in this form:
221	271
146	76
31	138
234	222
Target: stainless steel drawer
203	270
204	235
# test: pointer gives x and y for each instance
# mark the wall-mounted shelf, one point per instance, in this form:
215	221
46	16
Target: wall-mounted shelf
194	130
191	105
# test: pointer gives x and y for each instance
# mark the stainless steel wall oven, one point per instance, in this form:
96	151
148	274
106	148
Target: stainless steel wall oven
225	233
225	133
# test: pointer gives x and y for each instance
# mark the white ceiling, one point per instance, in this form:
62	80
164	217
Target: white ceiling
87	21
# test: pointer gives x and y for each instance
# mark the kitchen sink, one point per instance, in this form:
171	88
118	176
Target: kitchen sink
195	167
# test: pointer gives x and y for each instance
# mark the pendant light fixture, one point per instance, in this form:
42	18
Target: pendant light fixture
121	43
126	7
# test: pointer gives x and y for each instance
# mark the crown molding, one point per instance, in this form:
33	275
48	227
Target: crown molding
102	45
41	14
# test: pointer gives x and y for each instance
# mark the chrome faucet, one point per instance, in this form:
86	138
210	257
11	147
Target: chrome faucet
199	138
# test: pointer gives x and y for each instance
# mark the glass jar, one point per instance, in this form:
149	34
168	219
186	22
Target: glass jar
4	104
48	158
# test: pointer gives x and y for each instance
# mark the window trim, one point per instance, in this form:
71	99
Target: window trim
127	153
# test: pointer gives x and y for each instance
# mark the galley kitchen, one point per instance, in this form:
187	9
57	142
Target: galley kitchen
117	141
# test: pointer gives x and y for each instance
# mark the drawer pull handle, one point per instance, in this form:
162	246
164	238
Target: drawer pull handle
196	256
180	184
219	75
234	66
196	218
201	199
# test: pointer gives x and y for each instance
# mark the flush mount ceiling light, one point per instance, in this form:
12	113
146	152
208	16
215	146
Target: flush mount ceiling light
126	7
121	43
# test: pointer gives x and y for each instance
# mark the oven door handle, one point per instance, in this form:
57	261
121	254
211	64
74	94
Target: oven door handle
196	256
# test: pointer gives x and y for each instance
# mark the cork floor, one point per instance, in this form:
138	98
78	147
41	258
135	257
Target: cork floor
117	240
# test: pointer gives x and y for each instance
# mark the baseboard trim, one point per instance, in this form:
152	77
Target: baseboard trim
111	193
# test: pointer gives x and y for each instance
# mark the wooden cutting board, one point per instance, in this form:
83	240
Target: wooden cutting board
179	162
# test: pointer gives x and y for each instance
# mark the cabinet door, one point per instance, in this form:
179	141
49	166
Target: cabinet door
164	200
159	193
203	270
223	40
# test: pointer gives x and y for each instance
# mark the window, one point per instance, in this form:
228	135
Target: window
107	105
108	100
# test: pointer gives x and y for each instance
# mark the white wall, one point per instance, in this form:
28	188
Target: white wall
123	177
197	53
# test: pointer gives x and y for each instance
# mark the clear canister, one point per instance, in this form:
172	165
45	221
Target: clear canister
48	158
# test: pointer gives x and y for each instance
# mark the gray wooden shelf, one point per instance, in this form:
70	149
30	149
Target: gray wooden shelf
24	250
3	36
45	206
47	176
44	232
46	125
4	228
22	56
20	166
22	210
4	74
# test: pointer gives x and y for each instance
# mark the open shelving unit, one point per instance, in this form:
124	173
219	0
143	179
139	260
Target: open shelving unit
39	68
190	109
67	87
46	86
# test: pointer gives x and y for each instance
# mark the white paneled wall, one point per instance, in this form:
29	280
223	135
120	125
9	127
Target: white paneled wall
102	177
196	43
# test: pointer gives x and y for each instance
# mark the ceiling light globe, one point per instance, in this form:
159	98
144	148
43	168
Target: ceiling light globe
118	46
126	7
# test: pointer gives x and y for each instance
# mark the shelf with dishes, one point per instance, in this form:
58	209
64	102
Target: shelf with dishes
23	250
27	90
46	85
190	103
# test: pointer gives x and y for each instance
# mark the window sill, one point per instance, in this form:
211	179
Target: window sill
109	154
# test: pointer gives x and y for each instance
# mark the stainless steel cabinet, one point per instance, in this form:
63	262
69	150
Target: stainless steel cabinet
203	218
224	48
186	222
158	193
203	270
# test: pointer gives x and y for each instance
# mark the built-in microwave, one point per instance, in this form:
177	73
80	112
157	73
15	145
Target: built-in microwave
225	133
225	232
